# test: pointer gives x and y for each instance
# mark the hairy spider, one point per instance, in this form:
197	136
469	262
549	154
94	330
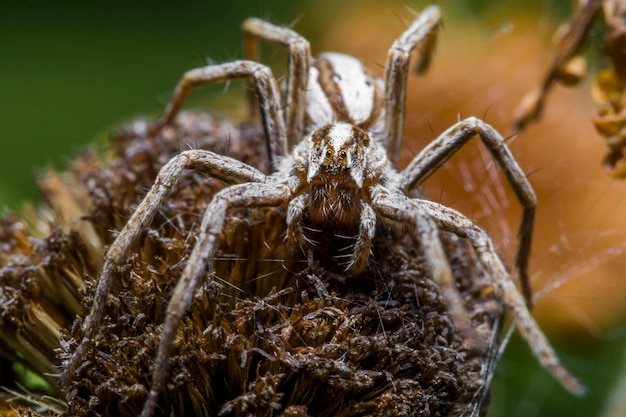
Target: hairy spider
334	153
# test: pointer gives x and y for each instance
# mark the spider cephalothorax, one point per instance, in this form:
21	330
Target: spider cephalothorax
342	161
334	153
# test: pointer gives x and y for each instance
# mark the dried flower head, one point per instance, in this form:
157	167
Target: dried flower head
274	334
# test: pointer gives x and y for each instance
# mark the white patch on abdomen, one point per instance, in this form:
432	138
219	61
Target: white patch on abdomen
317	106
340	90
356	86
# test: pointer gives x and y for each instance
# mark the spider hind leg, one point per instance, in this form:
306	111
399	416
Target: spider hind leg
433	156
454	222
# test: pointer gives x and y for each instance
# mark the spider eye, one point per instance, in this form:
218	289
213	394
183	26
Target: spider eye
343	154
328	153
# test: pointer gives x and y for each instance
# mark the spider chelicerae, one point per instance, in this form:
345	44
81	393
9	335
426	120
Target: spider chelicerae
334	145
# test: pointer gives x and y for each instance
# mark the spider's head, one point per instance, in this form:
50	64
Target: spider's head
338	152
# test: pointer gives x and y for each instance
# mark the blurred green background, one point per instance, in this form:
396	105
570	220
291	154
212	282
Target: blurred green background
70	71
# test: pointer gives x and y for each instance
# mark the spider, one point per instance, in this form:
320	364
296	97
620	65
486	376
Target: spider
334	152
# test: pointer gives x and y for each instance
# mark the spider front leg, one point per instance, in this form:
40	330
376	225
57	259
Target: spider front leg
221	167
446	145
243	195
298	67
454	222
422	34
266	91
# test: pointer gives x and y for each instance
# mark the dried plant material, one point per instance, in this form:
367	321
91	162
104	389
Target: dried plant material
263	340
572	71
608	90
608	85
567	67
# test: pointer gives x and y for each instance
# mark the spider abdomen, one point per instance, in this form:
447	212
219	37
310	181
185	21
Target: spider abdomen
341	89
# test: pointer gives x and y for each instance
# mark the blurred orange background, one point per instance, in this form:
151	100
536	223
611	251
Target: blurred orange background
483	67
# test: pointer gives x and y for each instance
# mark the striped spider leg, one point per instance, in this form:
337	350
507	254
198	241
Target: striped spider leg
299	61
446	219
334	156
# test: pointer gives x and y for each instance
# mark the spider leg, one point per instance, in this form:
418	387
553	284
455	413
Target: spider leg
266	91
363	245
217	166
295	214
299	60
242	195
421	34
452	221
397	207
446	145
